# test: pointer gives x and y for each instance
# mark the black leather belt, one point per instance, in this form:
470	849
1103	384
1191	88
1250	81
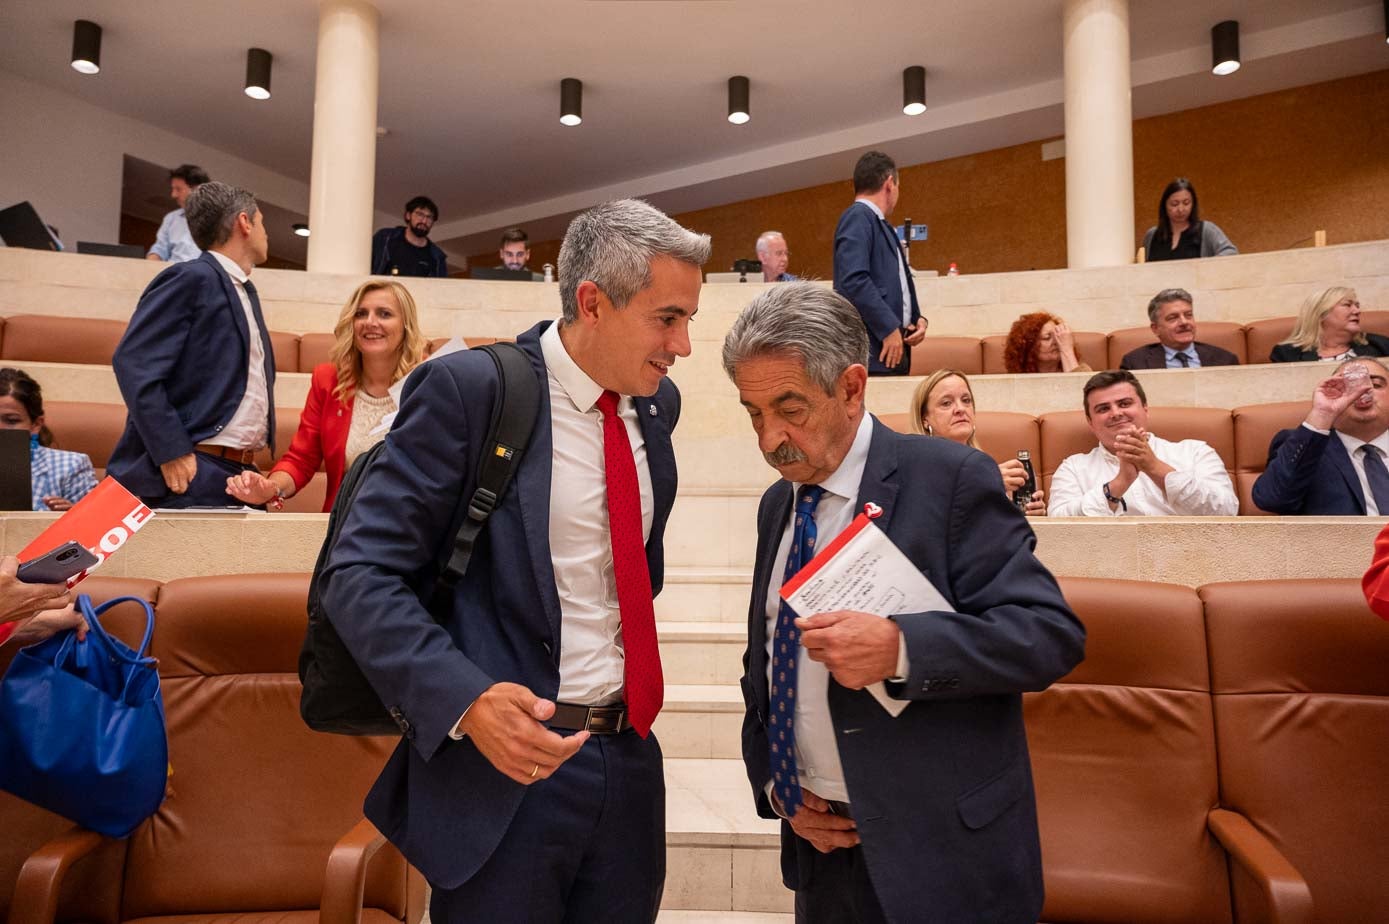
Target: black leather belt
840	808
599	720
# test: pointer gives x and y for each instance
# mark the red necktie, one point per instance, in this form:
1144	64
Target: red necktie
645	688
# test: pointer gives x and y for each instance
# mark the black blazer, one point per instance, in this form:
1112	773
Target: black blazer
1378	346
1153	356
181	368
439	800
943	792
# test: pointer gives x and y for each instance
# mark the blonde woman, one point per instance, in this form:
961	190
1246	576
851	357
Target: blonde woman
378	343
1328	328
943	405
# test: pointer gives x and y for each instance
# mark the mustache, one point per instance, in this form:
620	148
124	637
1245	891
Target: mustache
785	454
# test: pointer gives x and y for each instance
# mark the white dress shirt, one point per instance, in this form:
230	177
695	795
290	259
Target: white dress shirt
248	427
1193	360
174	242
590	653
1357	461
1200	486
901	261
817	752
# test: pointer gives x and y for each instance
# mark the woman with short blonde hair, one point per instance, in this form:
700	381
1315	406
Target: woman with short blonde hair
1328	328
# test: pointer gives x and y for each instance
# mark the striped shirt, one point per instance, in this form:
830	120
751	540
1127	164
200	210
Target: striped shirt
59	473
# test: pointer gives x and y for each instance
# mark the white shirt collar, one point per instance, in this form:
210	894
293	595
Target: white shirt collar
844	481
581	389
233	269
874	206
1353	443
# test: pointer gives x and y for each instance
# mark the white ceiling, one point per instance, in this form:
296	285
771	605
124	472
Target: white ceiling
470	92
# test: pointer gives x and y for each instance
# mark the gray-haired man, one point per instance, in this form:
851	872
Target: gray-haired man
550	636
1173	320
927	815
772	252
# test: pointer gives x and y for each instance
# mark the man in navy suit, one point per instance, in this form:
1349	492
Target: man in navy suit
497	792
871	269
1173	321
195	367
924	814
1334	462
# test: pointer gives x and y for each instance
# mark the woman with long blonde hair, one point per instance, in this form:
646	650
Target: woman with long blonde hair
378	343
1328	328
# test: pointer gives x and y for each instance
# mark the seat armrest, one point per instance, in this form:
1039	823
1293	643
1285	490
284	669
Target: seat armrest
1287	894
346	878
40	881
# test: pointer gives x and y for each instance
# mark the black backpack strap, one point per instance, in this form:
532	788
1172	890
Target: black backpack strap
513	419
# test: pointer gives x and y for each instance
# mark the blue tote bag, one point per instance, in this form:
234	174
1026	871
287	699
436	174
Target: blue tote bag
82	726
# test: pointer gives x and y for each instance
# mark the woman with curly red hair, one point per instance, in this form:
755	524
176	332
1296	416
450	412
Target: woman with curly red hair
1041	342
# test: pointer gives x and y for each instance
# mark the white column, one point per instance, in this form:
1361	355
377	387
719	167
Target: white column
342	184
1099	133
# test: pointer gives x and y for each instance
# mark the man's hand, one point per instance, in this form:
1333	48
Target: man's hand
504	723
1331	397
178	473
1037	507
858	648
917	331
1132	446
19	600
1014	475
42	625
891	353
815	822
54	502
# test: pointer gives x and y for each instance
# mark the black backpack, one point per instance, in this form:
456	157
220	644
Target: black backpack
337	697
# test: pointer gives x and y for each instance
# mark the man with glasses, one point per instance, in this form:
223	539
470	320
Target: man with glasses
771	250
407	250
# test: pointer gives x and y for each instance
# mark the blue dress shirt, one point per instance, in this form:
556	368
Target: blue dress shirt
174	244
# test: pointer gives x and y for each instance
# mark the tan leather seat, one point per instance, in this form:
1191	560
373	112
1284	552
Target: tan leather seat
1301	697
1091	347
314	349
1223	334
1260	337
962	353
1124	761
1065	433
86	427
1255	426
1002	433
42	338
286	347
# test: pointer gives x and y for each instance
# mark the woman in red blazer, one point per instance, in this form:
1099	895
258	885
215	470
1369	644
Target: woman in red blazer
1375	583
378	342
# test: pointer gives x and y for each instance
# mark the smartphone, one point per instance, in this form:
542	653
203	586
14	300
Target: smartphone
57	565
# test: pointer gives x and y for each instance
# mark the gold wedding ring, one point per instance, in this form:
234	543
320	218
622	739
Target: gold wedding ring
535	771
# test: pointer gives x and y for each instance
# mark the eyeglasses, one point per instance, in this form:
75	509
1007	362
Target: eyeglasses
423	214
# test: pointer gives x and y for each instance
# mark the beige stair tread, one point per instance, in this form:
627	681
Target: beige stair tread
723	917
709	803
704	697
670	630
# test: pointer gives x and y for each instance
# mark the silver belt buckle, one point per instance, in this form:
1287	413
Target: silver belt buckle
604	720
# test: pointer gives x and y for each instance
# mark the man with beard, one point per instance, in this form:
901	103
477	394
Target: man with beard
1334	463
1133	472
515	250
407	250
1173	320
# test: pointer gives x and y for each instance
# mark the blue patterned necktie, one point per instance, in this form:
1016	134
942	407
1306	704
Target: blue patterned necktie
786	648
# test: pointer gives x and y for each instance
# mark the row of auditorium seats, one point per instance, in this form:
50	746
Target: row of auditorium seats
41	338
1241	436
262	821
1219	756
1251	342
47	338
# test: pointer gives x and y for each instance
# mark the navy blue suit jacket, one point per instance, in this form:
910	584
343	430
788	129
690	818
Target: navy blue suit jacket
942	793
1310	474
437	799
181	368
866	272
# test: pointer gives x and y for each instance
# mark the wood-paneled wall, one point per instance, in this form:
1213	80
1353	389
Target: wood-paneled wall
1269	169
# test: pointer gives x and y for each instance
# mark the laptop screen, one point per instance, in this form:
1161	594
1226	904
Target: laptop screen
16	492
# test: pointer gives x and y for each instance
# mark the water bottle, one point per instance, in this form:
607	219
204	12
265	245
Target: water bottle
549	272
1023	495
954	270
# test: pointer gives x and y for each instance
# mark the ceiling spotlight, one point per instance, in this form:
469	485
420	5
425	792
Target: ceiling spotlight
571	101
1386	21
300	229
86	47
914	90
258	73
738	92
1225	47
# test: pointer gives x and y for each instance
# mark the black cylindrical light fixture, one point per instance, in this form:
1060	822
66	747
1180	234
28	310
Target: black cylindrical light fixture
300	229
258	73
914	90
1225	47
86	47
1386	20
739	91
571	101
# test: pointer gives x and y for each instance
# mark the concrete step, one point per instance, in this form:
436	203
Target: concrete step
720	856
723	917
701	652
701	721
712	594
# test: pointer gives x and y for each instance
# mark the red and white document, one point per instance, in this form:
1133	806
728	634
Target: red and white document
863	570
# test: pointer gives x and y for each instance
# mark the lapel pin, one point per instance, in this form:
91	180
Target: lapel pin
651	409
872	510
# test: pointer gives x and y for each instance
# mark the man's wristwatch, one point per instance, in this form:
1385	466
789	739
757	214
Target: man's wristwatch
1112	499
